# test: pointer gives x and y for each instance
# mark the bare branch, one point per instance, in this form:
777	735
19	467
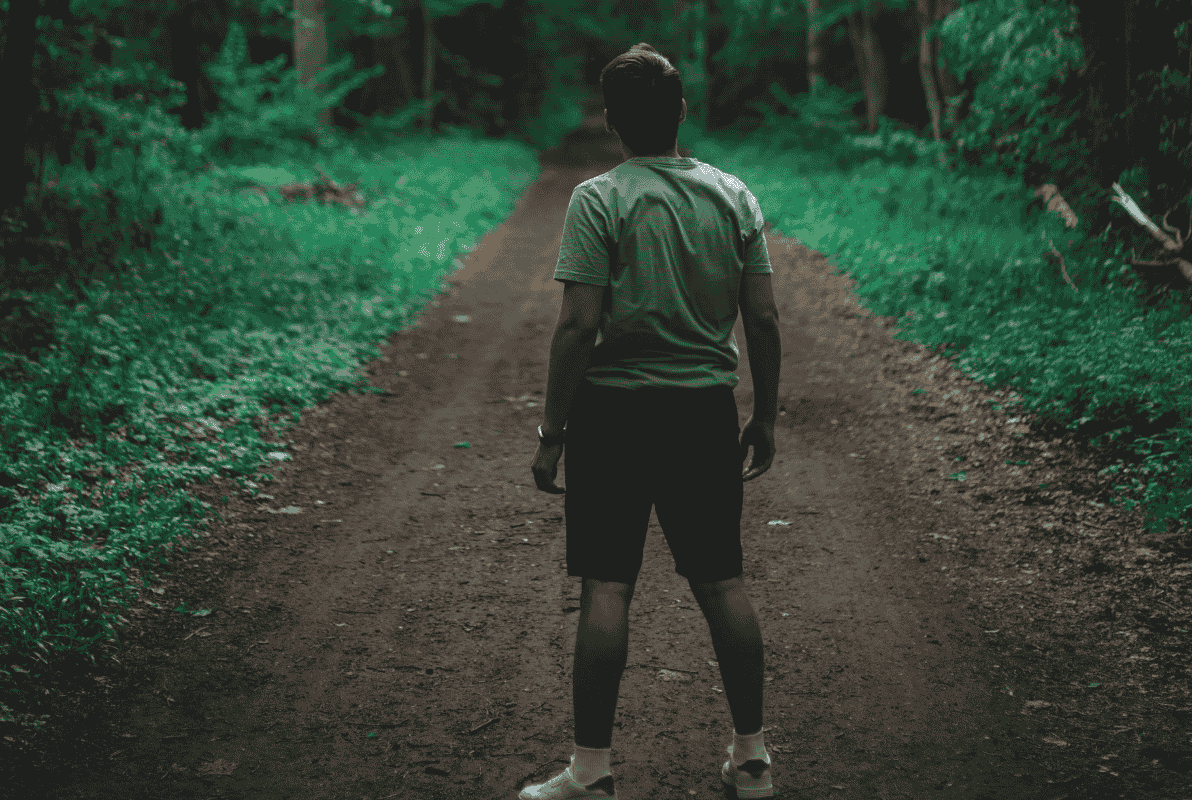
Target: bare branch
1182	264
1063	263
1048	193
1171	245
1126	202
1172	229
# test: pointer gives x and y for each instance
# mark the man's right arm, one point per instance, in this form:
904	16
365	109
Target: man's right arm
760	318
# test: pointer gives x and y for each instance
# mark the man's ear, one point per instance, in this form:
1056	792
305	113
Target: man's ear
683	111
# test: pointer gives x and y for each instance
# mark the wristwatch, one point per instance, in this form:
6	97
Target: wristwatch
552	441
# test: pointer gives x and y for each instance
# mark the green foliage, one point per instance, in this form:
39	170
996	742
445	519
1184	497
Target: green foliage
831	12
954	258
1022	50
816	121
261	103
128	106
195	361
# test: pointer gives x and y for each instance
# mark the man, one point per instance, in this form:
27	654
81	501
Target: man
658	255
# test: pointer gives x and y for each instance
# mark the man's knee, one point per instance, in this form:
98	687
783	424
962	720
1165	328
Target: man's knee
715	589
594	587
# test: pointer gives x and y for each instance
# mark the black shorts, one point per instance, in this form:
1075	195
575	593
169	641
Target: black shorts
675	449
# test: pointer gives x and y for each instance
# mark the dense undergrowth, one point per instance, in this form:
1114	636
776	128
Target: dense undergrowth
190	363
955	256
192	360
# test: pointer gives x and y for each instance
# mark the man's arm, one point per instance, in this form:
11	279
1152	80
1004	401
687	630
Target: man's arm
760	318
574	338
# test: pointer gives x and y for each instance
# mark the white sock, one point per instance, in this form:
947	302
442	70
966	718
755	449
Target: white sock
746	748
589	764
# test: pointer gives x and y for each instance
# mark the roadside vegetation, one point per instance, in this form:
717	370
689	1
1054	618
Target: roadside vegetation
173	296
276	273
958	260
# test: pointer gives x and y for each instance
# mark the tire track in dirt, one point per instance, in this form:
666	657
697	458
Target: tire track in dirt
411	635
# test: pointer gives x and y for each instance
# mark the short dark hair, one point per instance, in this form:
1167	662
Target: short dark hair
642	93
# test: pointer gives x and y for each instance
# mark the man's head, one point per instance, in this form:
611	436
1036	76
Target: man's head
643	100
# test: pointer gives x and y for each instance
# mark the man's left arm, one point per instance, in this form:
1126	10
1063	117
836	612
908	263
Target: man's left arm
570	349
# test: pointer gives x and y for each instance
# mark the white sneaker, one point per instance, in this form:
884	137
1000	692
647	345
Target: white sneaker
752	779
563	787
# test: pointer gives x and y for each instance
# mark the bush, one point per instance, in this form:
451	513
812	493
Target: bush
263	104
954	258
193	362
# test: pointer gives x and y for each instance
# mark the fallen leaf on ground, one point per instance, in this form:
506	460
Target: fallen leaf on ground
218	767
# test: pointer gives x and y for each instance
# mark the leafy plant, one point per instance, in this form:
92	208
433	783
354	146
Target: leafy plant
261	104
1020	49
194	363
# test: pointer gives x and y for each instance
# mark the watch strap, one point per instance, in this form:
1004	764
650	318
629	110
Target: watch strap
551	441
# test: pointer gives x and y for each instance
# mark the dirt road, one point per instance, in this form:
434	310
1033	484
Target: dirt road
408	633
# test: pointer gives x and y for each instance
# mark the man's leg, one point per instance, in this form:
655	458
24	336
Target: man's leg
601	647
738	643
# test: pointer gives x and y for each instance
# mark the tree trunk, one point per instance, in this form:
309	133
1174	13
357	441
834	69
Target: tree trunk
18	98
428	87
716	35
310	48
391	52
816	51
683	29
932	101
947	84
872	67
1102	29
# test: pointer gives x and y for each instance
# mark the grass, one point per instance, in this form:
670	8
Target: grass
194	360
957	260
192	363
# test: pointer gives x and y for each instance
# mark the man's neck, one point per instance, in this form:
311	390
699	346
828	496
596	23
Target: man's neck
673	154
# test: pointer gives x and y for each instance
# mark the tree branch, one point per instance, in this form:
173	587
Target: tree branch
1170	245
1126	202
1063	263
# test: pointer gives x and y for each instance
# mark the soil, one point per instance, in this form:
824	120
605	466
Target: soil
409	632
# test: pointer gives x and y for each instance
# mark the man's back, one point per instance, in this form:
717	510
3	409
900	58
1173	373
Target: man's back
671	238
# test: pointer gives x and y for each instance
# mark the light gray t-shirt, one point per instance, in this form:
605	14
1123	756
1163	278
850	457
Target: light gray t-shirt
670	238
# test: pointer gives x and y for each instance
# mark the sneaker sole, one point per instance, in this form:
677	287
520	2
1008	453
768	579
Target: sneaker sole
762	786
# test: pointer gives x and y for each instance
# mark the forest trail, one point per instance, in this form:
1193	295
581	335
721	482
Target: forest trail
409	633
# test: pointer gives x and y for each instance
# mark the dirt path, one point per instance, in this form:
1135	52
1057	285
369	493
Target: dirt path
409	633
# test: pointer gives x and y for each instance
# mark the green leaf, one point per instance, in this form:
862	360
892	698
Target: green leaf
958	476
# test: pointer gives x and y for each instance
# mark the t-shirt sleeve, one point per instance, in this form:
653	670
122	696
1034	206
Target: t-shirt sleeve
584	255
756	261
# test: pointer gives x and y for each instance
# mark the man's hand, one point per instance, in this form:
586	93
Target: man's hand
545	468
760	436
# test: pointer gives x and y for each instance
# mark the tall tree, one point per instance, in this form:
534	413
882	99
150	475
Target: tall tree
872	67
427	87
18	98
948	85
937	82
716	36
683	31
310	47
431	11
816	52
395	89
